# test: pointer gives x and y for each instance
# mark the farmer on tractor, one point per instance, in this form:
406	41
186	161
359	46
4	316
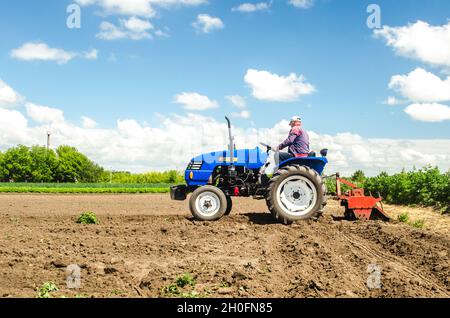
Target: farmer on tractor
297	141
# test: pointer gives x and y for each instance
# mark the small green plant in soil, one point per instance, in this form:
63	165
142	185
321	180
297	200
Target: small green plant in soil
184	280
175	289
404	217
88	218
418	224
46	289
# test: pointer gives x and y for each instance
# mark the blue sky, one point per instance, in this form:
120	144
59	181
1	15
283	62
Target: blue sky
328	43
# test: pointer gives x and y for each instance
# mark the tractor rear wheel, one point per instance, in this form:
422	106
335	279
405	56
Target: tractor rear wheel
208	203
296	193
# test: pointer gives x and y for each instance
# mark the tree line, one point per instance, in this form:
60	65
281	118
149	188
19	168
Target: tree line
39	164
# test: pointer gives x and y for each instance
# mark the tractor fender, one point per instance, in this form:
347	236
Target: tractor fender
316	163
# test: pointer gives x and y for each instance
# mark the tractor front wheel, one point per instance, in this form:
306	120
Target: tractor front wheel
229	205
296	193
208	203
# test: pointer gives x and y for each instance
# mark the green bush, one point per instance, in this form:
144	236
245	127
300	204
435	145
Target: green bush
88	218
426	187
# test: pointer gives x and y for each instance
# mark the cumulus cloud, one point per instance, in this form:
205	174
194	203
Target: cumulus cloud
422	41
206	23
195	101
421	86
44	114
8	96
245	114
252	7
13	128
142	8
133	28
88	123
272	87
425	90
39	51
429	112
237	100
301	4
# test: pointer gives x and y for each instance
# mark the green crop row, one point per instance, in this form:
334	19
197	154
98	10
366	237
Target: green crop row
83	190
82	185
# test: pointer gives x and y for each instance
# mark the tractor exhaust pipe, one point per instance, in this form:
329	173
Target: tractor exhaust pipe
231	168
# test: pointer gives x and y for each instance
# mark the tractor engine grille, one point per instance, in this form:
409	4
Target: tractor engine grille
195	165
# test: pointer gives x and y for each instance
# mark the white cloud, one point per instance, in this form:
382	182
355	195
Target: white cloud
195	101
8	96
141	8
420	40
428	112
44	114
252	7
88	123
392	100
242	114
129	7
39	51
13	128
272	87
421	86
302	4
237	101
91	55
206	23
133	28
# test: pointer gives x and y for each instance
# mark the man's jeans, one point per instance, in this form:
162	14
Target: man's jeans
282	156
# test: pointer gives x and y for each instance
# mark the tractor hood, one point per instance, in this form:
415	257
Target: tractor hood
250	158
201	167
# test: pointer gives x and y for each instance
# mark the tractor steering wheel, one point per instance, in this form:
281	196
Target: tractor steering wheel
269	148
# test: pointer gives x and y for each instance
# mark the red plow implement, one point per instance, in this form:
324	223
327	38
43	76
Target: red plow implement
357	204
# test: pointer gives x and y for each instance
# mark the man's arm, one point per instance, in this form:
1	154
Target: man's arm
293	134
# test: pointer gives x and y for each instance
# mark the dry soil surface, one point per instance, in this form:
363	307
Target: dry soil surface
144	242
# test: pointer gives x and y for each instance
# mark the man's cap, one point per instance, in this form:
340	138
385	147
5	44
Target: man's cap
296	118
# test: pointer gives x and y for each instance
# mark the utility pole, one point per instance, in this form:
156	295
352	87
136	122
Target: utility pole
48	139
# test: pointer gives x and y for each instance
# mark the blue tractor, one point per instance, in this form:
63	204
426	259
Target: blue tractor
293	189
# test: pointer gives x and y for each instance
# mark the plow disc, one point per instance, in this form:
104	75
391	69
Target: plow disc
358	205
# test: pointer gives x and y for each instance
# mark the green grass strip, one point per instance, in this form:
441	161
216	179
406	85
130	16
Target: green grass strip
81	190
